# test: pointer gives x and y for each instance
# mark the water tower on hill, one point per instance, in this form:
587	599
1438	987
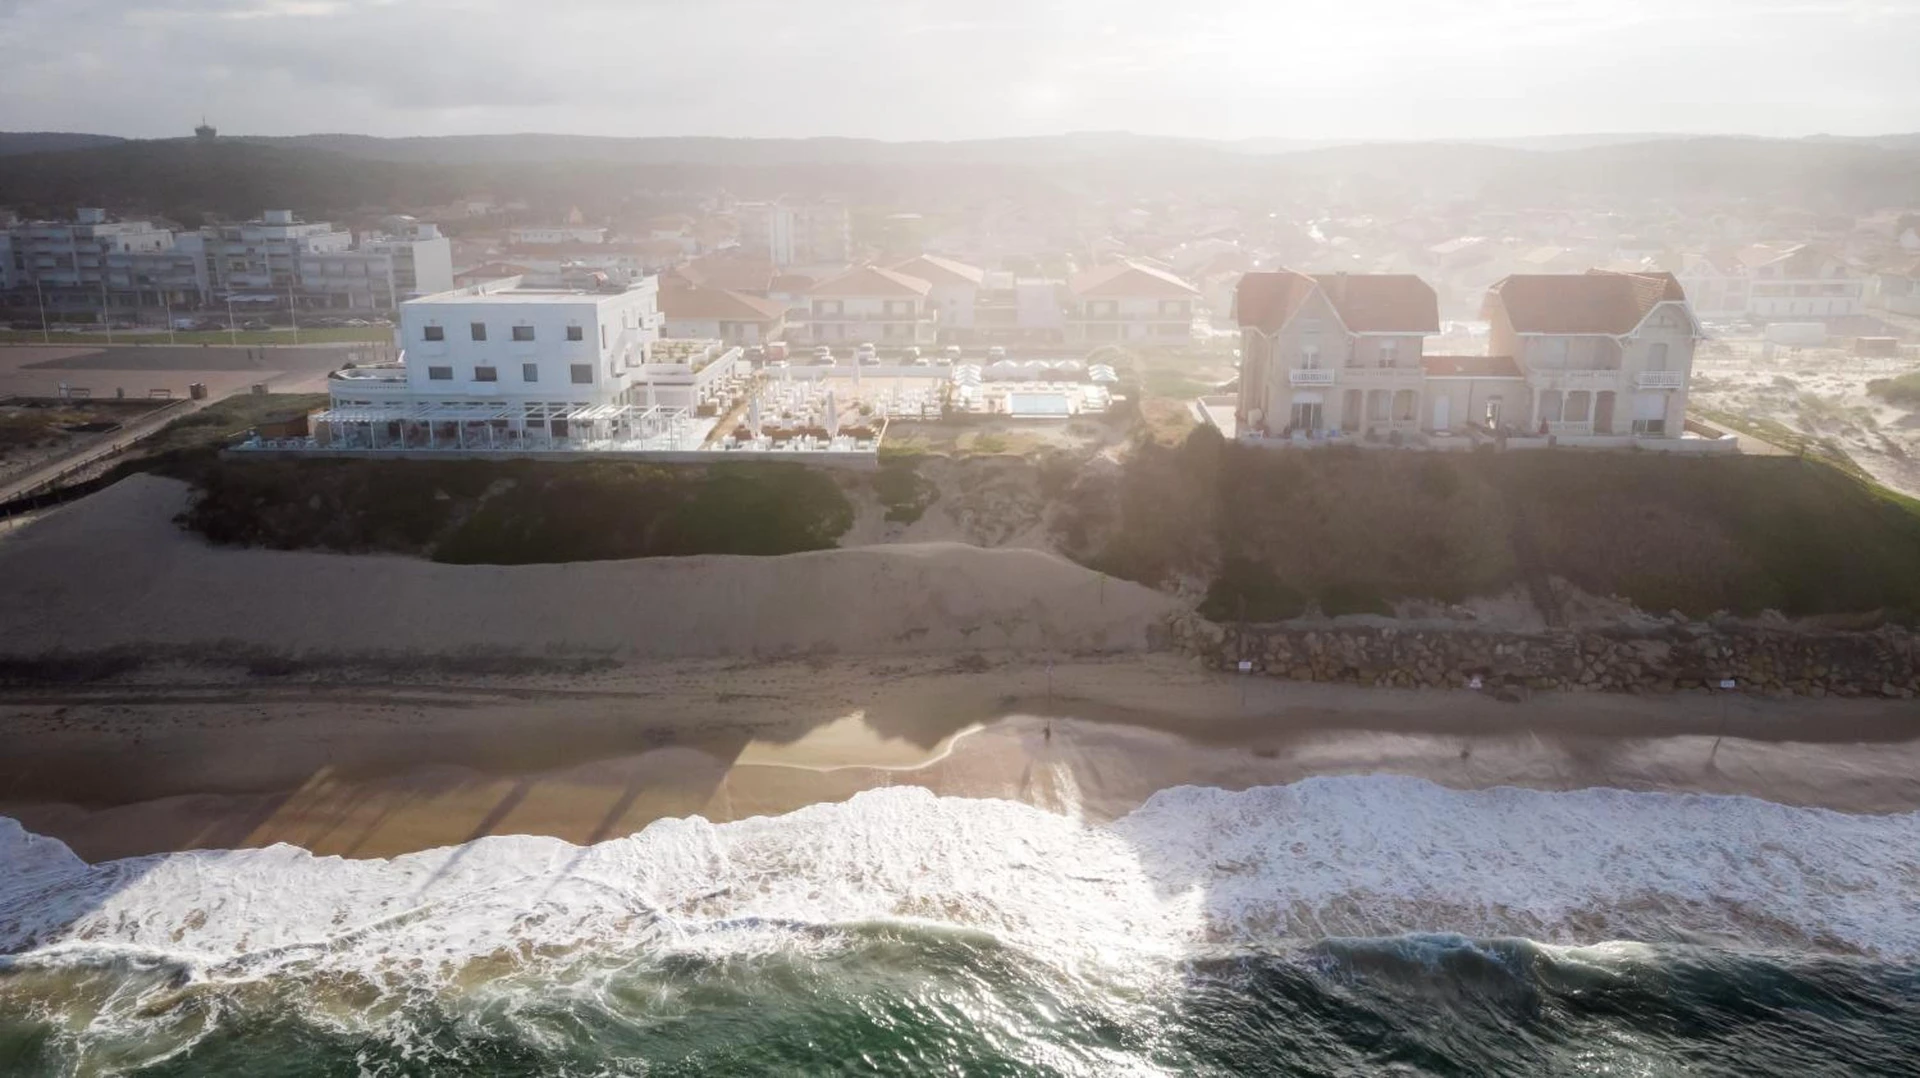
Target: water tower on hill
205	132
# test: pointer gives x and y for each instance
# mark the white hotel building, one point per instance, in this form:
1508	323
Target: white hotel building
508	366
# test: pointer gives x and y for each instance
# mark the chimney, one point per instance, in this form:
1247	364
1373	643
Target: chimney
1340	286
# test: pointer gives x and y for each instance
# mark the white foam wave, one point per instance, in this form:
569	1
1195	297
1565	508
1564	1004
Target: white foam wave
1191	868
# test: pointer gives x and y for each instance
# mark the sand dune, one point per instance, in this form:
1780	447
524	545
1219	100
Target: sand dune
113	570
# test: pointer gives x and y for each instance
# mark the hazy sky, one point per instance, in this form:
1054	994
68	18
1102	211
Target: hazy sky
944	69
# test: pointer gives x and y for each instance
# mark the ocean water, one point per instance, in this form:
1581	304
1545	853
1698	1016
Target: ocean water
1337	926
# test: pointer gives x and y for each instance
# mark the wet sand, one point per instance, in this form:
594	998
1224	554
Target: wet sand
364	769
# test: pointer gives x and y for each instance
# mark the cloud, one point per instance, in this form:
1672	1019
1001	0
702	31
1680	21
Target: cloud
943	69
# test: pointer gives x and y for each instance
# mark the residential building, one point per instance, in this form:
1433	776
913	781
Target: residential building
1010	309
382	271
536	235
1602	353
716	314
1129	302
1800	282
88	264
262	258
871	305
1716	283
1897	289
1333	352
1600	358
956	292
796	233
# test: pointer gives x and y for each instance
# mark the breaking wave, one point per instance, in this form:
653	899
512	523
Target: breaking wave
1072	940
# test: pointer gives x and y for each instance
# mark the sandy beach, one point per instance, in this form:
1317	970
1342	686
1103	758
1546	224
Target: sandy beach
363	769
371	706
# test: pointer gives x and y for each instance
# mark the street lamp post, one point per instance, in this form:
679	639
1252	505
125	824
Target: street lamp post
42	295
293	313
233	331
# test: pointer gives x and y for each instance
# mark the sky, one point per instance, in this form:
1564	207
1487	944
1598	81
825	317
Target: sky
927	69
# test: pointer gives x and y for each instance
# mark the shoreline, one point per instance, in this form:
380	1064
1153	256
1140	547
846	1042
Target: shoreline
373	769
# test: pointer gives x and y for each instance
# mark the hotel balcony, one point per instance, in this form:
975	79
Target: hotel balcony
1312	376
1660	380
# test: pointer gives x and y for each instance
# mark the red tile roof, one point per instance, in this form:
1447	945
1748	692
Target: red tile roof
1597	301
1266	300
872	281
937	270
1470	367
719	305
1366	302
730	274
1382	302
1130	280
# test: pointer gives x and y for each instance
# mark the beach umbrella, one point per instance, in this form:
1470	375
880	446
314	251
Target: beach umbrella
833	416
753	415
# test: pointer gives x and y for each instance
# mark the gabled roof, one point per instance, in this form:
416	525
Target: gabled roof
1265	301
936	270
729	274
1382	302
719	305
1130	280
1594	302
1470	367
872	281
1365	302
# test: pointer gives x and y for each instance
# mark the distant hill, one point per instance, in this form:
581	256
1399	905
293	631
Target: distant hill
338	174
18	142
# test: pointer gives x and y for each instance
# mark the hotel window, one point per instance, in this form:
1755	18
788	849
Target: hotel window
433	333
486	374
1657	356
582	374
440	374
479	330
1389	353
529	372
576	333
523	333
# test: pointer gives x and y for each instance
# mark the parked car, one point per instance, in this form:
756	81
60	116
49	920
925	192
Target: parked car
356	322
822	352
910	353
952	353
256	324
824	361
996	353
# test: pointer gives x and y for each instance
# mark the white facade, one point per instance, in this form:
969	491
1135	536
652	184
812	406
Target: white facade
130	265
263	257
502	366
528	344
541	234
381	272
1801	282
792	233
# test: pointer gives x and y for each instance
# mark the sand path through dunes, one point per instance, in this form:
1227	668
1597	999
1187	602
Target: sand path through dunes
114	571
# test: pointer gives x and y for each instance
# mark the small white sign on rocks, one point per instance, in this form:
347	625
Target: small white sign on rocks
1246	666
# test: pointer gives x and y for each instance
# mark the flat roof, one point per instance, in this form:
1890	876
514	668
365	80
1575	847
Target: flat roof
519	296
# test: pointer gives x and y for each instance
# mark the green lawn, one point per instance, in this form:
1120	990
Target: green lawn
351	335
